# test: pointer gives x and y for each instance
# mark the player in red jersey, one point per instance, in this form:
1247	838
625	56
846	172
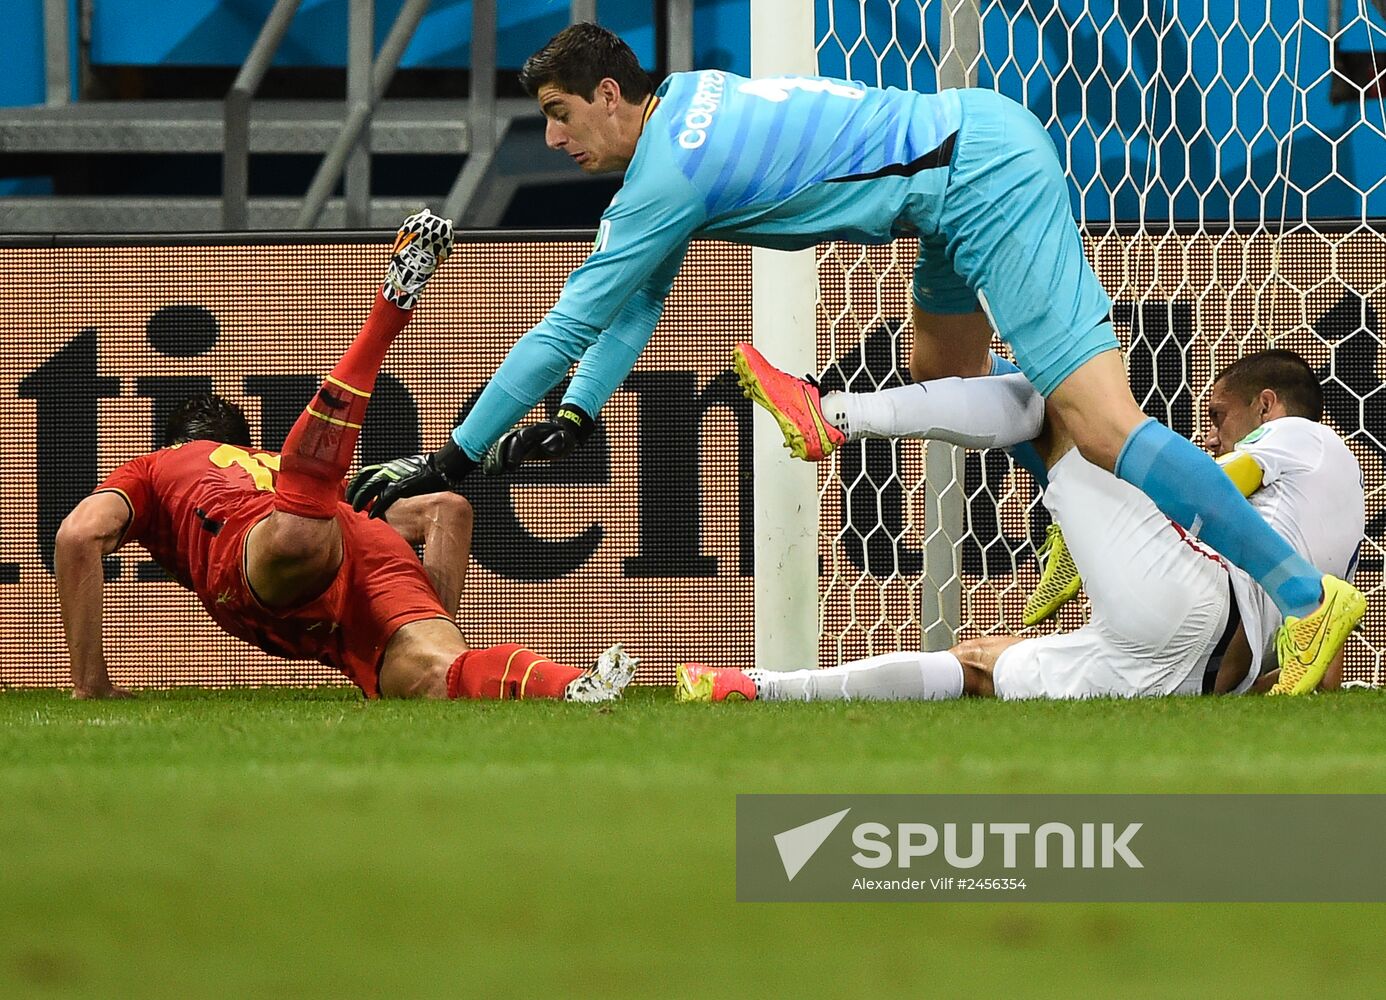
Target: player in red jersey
278	559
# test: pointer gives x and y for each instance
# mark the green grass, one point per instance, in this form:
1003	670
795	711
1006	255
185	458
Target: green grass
292	843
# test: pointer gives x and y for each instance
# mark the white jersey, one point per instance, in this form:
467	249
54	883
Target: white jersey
1312	493
1160	600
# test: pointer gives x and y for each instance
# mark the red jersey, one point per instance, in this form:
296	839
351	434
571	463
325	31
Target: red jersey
181	498
192	507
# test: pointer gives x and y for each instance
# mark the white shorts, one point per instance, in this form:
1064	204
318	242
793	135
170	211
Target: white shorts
1160	600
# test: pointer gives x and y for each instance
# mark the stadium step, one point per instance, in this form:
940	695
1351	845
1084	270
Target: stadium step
276	126
433	127
177	215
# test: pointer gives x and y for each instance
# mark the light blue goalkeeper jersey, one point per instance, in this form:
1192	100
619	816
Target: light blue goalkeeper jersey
784	163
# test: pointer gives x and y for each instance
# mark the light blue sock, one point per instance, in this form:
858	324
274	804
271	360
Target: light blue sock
1188	486
1024	454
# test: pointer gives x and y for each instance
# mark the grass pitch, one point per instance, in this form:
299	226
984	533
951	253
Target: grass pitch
300	843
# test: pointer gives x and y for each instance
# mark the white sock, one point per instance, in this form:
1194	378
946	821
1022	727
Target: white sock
992	412
834	407
905	676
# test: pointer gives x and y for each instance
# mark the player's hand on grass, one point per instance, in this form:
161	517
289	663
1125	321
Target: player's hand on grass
379	486
546	441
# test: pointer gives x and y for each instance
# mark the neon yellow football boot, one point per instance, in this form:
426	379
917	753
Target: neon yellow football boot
1306	646
1059	580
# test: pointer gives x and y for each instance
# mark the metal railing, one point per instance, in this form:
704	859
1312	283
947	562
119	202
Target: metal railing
235	169
486	131
376	78
360	61
367	81
678	35
56	52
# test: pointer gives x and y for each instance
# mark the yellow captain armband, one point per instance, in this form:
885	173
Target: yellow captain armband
1243	470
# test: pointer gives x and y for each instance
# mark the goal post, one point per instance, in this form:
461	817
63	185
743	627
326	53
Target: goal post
783	306
940	609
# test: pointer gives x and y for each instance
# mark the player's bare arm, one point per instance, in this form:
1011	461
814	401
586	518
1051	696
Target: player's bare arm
1236	663
1332	677
442	524
95	528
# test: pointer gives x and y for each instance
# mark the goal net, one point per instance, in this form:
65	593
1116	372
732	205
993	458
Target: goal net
1225	168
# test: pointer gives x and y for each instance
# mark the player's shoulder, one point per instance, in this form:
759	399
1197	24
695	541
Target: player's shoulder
1281	432
693	106
141	467
1334	448
191	462
702	86
705	116
1284	432
693	101
183	455
679	133
1300	442
689	105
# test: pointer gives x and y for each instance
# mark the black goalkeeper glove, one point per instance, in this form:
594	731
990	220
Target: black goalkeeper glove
442	471
546	441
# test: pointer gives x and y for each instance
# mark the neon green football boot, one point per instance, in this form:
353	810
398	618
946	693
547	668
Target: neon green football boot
1059	580
1306	646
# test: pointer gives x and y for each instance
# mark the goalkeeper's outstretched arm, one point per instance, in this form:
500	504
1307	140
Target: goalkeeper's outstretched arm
612	301
643	234
602	369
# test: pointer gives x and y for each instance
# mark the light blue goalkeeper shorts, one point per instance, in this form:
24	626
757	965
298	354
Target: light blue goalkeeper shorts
1007	238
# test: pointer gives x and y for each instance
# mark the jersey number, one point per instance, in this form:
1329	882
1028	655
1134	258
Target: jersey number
777	88
261	467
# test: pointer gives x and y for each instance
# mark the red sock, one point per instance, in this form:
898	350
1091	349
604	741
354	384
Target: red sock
322	442
508	671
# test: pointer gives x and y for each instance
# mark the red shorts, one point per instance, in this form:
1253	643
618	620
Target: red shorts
380	587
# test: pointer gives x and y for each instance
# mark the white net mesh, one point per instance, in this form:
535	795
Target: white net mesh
1225	167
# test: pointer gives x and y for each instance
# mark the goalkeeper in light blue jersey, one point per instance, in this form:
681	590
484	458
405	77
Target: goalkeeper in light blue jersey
790	162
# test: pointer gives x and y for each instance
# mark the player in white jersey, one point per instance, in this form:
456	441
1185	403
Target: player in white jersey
1169	616
1298	474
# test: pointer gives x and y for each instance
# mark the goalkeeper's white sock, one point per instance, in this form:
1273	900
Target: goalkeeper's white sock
906	676
994	412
